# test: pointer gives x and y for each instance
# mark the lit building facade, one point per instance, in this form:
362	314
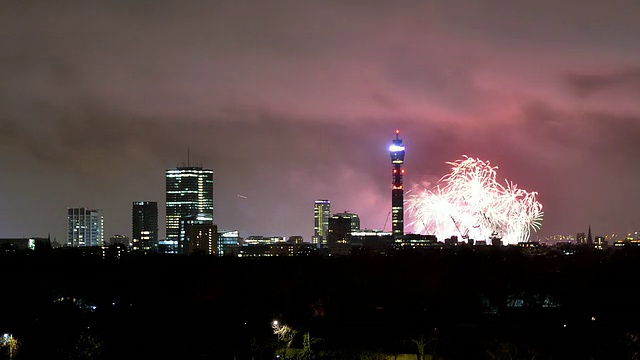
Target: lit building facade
418	241
10	245
295	239
600	243
396	151
144	226
261	246
321	214
168	246
189	191
198	234
263	240
228	242
267	246
85	227
373	242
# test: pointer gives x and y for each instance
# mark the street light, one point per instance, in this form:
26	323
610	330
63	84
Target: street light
284	332
9	341
276	331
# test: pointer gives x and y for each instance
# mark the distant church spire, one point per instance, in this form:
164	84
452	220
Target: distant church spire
589	239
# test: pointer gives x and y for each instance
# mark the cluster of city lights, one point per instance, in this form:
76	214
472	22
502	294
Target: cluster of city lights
469	203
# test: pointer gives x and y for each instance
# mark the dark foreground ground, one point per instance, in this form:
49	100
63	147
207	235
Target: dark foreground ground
466	304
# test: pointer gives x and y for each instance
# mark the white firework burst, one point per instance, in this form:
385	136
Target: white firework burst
470	203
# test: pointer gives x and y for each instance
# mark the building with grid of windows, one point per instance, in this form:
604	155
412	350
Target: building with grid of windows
144	219
189	191
85	227
199	234
228	242
321	214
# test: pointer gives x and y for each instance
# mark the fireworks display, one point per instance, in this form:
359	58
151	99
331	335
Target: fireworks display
469	203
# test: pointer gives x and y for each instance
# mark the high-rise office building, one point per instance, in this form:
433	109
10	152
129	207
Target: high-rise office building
339	230
144	216
85	227
199	235
355	219
339	235
396	151
321	214
189	191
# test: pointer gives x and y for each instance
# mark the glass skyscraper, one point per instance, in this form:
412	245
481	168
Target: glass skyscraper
189	191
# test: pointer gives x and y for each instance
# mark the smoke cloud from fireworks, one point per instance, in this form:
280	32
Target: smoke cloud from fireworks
469	203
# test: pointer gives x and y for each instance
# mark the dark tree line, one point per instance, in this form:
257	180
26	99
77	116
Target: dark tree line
486	303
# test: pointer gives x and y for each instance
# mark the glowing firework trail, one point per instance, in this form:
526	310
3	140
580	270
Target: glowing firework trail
469	202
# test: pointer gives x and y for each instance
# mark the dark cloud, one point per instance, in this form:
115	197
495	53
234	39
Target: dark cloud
627	81
292	101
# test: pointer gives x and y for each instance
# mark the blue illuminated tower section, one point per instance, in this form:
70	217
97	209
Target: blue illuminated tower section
396	150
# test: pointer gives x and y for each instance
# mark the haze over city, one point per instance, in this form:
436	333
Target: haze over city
289	102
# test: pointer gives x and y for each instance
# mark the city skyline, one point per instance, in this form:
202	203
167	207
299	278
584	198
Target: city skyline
292	102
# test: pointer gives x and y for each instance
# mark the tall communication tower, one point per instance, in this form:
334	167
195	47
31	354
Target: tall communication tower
396	151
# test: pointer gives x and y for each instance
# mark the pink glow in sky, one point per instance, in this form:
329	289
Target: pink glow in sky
292	101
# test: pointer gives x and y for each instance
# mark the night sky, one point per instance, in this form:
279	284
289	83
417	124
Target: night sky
292	101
